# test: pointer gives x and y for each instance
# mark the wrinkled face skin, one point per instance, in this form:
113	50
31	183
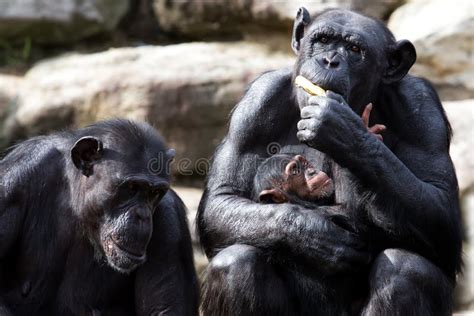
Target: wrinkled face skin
306	182
343	52
119	219
126	229
115	190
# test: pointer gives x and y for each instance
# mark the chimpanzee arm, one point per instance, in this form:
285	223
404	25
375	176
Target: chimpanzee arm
10	216
226	214
166	284
419	180
415	185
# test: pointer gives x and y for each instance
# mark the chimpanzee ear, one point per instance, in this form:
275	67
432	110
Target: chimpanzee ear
272	195
171	153
301	21
401	58
85	152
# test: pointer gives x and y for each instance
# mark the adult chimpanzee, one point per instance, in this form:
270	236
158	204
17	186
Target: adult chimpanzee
267	259
88	226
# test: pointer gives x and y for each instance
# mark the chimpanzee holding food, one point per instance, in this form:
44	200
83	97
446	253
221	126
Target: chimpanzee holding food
284	178
275	259
89	227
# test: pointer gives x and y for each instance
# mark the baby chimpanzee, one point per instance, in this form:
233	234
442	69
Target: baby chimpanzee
287	178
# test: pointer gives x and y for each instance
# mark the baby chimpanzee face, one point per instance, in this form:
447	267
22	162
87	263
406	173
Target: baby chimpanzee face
306	182
287	178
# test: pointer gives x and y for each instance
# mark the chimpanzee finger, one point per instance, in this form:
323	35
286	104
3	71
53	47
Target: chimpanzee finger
305	135
335	96
310	111
316	100
377	128
309	124
366	114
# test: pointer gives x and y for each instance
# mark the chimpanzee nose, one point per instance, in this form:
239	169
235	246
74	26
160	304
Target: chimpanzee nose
331	61
142	213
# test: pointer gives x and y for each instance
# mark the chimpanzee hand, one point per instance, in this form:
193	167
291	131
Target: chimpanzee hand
329	124
375	129
328	246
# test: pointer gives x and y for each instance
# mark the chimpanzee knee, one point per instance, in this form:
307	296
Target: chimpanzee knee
404	283
239	282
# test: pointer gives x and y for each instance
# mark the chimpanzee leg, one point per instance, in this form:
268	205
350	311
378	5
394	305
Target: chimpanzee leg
404	283
239	281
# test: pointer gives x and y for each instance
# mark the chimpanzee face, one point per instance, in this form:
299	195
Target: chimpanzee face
119	197
306	182
343	52
285	178
126	227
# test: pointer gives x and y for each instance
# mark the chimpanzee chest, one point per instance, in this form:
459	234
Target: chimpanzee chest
58	280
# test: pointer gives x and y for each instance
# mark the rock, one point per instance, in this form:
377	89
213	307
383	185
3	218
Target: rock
52	21
191	198
442	34
187	96
461	116
223	18
9	92
465	289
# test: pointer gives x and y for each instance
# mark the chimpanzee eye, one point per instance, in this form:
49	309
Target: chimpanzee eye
157	192
127	190
295	170
132	186
324	39
355	49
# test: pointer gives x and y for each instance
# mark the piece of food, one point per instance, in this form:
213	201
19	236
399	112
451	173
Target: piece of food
309	87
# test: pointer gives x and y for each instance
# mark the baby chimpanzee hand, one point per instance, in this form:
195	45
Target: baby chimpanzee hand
377	128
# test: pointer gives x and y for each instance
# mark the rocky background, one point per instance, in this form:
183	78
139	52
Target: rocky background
182	65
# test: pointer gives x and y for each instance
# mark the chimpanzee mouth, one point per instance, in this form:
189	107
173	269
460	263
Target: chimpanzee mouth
120	258
337	90
123	251
327	86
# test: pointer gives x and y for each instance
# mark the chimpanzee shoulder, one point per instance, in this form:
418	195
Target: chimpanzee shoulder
418	109
268	99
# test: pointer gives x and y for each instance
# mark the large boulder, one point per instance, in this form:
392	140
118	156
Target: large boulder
465	288
191	198
187	91
461	116
442	34
10	87
58	21
199	19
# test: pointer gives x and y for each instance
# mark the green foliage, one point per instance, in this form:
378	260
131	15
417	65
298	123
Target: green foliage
15	55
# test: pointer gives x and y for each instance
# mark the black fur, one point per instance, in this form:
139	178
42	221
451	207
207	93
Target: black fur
63	197
269	259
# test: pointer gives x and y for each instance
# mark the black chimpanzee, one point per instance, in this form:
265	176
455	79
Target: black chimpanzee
267	258
285	178
88	226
